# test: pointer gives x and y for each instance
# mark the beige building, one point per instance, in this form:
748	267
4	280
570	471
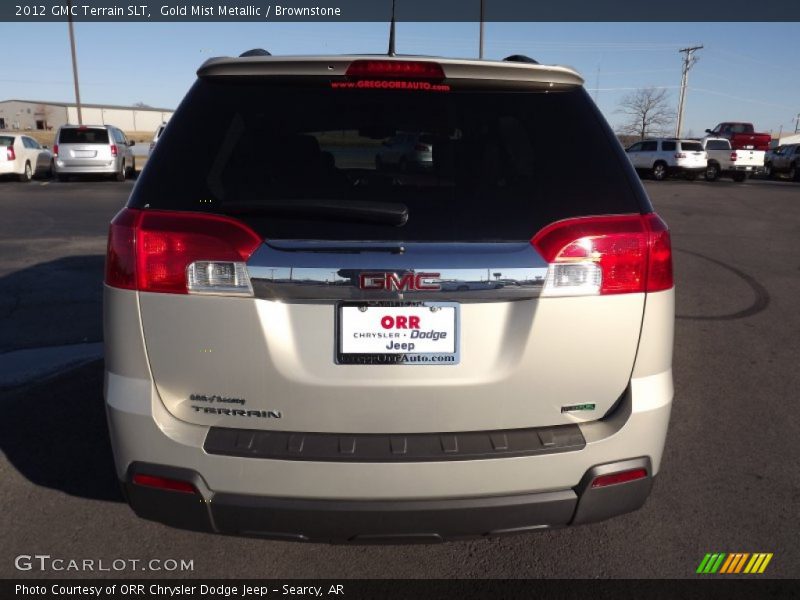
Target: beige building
32	115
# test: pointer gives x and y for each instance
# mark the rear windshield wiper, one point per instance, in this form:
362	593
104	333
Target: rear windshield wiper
352	211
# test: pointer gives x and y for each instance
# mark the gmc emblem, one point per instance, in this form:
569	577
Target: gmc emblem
410	282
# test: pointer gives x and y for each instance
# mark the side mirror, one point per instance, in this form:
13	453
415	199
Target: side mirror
44	147
709	131
131	142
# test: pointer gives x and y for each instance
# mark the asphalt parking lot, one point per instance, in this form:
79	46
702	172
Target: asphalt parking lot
729	480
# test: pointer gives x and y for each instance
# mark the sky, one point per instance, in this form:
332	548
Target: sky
745	72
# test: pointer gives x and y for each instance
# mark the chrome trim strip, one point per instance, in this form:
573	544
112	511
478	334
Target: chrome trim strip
311	271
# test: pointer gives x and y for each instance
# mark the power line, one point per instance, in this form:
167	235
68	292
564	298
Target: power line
689	61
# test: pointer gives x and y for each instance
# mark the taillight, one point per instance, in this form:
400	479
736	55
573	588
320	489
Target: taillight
55	149
10	154
395	69
179	253
734	156
163	483
113	150
621	477
606	255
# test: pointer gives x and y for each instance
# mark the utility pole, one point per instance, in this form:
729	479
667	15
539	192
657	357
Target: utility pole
689	60
480	42
74	63
391	33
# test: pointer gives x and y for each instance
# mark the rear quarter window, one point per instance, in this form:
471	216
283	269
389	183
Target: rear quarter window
497	169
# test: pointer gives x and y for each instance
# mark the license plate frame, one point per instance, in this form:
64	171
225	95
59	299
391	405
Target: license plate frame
415	358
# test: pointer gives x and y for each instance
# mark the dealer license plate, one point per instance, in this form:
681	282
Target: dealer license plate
419	333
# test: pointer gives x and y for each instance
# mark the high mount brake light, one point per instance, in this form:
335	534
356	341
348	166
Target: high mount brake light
179	253
606	255
395	69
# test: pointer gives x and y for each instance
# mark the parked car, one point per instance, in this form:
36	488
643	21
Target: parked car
289	355
157	135
92	149
785	159
668	156
23	156
725	161
742	136
406	151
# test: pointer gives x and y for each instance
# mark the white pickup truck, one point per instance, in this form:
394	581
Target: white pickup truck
724	161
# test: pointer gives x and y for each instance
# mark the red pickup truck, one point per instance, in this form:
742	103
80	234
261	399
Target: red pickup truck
742	136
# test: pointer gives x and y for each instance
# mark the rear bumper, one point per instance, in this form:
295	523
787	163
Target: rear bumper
100	166
9	167
386	521
687	169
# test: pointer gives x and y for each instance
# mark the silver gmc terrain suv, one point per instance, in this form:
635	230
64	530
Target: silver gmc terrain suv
302	346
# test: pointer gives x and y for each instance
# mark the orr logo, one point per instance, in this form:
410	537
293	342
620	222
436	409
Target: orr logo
392	282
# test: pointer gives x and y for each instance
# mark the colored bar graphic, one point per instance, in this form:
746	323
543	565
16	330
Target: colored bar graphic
734	563
765	563
741	563
727	564
703	563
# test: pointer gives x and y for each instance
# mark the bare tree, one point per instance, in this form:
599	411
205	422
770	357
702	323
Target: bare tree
141	105
648	113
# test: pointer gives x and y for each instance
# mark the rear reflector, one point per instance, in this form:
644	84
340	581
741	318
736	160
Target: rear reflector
618	254
621	477
395	69
179	253
162	483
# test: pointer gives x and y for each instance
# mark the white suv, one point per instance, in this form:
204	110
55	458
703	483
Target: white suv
663	157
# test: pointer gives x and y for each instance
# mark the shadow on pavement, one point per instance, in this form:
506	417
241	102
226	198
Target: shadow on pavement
52	304
55	434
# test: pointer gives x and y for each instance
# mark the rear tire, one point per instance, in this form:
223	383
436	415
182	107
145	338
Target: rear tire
27	174
739	177
712	172
768	172
794	173
122	172
659	171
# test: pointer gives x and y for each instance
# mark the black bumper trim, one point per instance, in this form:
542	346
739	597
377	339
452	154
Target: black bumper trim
383	521
395	447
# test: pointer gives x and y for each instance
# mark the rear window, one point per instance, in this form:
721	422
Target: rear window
498	168
718	145
83	136
691	146
6	140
